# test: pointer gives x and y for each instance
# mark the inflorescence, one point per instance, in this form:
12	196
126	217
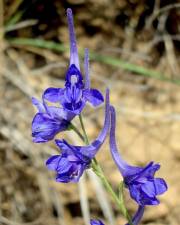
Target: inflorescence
59	106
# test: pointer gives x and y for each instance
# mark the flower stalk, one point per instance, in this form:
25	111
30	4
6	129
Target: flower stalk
99	172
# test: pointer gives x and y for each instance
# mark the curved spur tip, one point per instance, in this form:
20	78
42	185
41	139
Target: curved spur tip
69	12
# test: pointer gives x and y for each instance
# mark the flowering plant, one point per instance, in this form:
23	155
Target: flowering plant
72	161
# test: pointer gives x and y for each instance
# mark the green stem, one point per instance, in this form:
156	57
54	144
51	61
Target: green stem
86	140
99	172
74	128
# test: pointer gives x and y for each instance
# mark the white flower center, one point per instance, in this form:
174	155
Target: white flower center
74	79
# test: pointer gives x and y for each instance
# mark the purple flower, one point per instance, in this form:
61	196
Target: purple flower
96	222
76	93
140	181
48	121
73	160
69	166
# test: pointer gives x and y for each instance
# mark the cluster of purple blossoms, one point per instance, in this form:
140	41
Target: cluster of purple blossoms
72	161
50	120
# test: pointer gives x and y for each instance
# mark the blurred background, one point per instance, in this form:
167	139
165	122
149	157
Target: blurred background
134	48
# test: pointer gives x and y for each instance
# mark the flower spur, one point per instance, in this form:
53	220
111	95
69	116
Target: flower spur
140	181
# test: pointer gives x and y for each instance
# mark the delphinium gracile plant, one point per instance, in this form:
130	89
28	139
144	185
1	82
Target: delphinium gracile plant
72	161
